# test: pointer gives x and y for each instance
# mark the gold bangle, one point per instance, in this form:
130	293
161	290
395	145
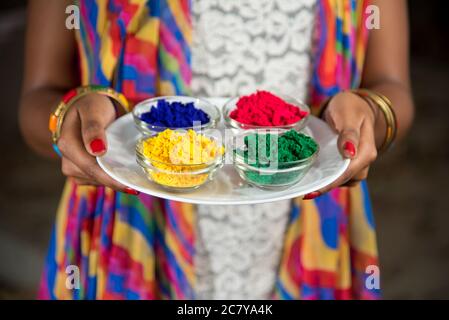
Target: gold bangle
385	105
57	116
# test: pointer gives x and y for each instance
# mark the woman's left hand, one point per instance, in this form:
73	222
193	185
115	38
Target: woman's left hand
354	121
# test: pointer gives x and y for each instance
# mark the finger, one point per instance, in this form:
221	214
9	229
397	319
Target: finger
348	142
361	175
345	177
357	178
351	183
95	114
346	124
367	147
69	169
73	149
89	165
366	155
343	181
348	130
89	182
85	182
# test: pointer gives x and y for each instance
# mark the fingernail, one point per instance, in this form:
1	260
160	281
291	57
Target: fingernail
97	146
349	149
312	195
131	191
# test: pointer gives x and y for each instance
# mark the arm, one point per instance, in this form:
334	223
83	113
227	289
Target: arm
362	128
50	71
387	64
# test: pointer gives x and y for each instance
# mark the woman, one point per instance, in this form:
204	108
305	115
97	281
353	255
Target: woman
131	246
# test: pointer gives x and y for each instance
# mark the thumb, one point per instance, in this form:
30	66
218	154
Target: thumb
348	142
94	120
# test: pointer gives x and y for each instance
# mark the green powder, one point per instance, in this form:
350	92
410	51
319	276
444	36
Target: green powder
274	151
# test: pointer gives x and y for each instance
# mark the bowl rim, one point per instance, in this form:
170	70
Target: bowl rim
239	159
145	164
148	163
226	110
213	121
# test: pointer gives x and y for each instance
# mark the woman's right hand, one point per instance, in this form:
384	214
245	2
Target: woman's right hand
83	138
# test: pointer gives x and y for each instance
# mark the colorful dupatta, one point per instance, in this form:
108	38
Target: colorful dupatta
129	247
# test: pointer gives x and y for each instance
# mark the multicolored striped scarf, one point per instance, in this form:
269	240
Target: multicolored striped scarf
143	47
143	247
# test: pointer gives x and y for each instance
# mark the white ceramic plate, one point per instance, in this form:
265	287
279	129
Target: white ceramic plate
227	188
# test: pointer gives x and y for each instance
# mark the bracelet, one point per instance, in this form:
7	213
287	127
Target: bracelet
57	116
385	105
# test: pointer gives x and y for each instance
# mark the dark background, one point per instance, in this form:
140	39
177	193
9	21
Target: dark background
409	185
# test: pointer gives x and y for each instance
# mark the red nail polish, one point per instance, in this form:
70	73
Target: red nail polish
312	195
349	148
97	146
131	191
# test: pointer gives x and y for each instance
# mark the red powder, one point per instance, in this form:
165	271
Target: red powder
265	109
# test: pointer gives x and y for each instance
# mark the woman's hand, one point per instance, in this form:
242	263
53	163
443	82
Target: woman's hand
83	138
354	120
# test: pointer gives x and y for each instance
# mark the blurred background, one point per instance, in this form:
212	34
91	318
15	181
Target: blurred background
409	185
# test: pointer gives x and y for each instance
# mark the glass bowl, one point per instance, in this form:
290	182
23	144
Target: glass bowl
178	177
146	105
238	127
275	176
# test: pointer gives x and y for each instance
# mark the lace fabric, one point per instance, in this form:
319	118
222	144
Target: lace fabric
240	46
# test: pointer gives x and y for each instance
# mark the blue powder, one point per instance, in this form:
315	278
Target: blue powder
174	115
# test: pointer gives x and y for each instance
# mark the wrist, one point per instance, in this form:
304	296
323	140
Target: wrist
386	117
70	98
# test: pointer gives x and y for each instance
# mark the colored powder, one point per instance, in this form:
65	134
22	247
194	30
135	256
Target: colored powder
265	109
177	155
261	150
175	115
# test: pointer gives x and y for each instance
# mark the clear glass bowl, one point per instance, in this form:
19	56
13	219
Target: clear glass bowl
178	177
238	126
276	176
146	105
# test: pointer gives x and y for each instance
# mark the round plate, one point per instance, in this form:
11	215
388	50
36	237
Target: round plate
227	188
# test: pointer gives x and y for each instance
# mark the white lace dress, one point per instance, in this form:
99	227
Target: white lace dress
240	46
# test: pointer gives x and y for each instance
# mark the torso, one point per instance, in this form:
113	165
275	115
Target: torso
240	46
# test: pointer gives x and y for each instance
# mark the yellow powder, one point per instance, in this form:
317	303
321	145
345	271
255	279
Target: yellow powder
177	155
